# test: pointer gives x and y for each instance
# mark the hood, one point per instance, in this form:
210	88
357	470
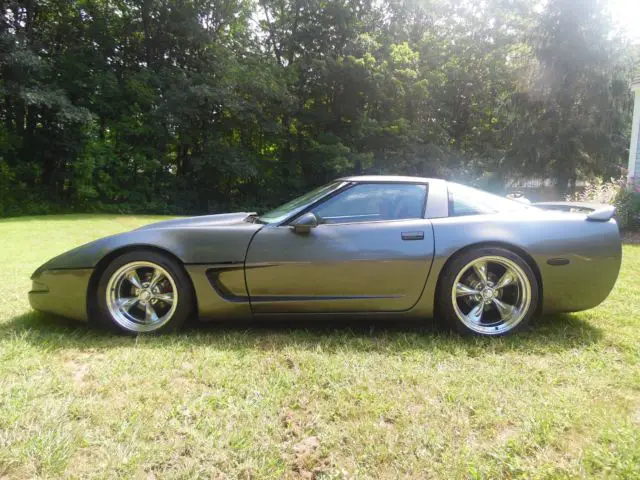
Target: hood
228	243
201	221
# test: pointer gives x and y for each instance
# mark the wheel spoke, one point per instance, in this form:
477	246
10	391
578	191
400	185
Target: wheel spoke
127	303
164	297
157	276
475	315
504	309
150	315
133	278
507	279
463	290
481	271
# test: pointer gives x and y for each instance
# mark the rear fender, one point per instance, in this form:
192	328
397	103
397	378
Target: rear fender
590	252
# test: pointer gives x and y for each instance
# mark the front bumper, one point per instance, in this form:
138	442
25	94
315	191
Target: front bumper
62	292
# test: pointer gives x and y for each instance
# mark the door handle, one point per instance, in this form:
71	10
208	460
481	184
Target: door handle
412	235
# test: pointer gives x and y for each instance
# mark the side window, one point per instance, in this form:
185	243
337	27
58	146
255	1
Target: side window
368	202
471	201
459	207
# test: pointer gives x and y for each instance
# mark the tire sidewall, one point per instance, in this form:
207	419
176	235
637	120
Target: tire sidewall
183	284
444	304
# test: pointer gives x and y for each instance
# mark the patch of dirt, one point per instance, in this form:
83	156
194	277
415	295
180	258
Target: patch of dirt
307	464
83	461
635	417
78	371
288	420
307	446
302	453
507	433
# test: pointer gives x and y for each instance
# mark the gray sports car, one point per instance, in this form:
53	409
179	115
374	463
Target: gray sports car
372	245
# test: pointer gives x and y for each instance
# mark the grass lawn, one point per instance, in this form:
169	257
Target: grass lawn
310	400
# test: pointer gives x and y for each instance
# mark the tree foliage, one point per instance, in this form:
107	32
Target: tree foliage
202	105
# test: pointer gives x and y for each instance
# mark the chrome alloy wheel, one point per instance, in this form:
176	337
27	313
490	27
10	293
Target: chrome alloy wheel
491	295
141	296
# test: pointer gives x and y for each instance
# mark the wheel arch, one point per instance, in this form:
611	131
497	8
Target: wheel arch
507	246
109	257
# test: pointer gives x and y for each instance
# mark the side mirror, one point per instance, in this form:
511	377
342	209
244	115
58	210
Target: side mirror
304	223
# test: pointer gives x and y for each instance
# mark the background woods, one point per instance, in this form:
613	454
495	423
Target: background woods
196	105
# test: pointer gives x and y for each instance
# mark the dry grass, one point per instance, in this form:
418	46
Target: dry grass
307	400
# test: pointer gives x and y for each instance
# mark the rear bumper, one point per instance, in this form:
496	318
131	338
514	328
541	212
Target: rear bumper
62	292
591	273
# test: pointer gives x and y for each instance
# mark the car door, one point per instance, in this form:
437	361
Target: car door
371	251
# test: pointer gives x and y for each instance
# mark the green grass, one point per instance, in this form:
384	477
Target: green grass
301	401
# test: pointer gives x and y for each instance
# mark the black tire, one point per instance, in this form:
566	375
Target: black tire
523	292
174	275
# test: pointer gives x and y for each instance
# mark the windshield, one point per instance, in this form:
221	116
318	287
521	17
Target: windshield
470	201
283	211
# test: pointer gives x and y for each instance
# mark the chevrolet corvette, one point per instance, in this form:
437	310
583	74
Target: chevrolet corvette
359	246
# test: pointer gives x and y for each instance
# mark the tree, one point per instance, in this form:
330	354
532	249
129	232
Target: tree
201	105
573	105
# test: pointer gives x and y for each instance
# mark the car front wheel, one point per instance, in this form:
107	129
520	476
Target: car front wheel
143	292
487	291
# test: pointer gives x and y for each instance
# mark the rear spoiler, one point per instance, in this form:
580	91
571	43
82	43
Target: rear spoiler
596	212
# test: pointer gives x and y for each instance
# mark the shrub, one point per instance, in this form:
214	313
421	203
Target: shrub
628	207
621	193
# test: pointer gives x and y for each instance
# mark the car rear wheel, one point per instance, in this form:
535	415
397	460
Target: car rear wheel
144	292
487	291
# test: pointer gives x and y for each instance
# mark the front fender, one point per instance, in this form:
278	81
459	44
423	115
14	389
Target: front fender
192	245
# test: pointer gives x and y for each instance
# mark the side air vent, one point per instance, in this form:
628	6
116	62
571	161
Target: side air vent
558	261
